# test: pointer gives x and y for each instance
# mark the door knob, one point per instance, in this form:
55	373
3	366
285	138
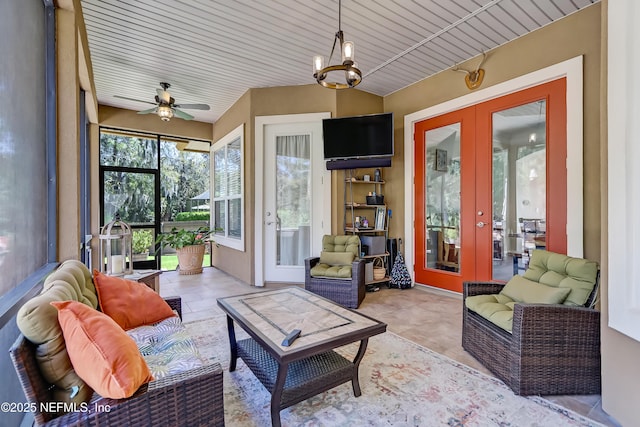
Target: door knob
480	224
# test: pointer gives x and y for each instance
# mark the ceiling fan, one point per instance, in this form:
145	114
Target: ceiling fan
165	106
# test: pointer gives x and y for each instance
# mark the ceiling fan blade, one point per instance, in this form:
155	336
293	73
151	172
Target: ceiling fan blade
150	110
133	99
182	114
194	106
164	95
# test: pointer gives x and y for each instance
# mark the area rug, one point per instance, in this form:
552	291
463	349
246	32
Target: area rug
403	384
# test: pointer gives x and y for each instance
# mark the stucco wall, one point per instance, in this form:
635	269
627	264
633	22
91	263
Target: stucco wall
277	101
236	263
577	34
121	118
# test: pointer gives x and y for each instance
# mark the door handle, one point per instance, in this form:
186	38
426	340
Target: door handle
481	224
269	222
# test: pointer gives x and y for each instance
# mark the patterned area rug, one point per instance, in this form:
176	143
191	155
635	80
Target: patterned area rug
403	384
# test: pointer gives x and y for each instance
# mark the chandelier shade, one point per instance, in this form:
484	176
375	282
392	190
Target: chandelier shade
347	71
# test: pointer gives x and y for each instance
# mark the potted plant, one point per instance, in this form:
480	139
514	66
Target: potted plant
189	245
141	243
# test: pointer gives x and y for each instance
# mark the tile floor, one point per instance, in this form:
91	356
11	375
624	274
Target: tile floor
428	317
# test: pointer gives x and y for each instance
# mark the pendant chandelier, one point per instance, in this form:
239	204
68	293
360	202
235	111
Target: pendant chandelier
348	69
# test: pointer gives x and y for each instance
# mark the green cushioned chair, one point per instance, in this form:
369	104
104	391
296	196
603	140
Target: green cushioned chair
539	332
338	273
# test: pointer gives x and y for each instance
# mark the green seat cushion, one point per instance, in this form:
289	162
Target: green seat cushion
336	258
524	290
561	271
331	271
496	308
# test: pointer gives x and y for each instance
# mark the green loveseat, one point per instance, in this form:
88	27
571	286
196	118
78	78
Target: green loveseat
539	332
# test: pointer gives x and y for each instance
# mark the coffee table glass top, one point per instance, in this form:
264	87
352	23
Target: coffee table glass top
276	313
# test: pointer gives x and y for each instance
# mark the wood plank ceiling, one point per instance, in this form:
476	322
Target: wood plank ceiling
212	51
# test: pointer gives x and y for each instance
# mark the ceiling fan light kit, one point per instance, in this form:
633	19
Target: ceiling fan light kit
165	106
165	113
349	68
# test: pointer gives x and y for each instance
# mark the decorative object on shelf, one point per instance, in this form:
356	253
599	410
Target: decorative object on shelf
367	178
377	176
348	68
375	199
473	79
378	269
189	245
115	248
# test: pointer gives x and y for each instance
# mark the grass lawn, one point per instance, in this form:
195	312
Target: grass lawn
170	262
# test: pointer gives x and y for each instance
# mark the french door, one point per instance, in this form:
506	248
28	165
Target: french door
295	198
490	186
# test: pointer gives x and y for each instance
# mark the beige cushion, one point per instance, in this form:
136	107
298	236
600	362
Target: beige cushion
523	290
336	258
38	322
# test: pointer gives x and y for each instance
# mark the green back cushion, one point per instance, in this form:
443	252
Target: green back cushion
561	271
332	243
520	289
336	258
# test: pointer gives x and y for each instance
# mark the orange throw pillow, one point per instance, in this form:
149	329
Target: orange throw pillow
130	304
102	354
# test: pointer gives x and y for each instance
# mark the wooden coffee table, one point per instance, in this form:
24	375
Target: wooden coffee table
309	366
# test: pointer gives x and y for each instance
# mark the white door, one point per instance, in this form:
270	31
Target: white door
296	198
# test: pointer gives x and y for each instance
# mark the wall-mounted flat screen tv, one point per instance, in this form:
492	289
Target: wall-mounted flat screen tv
358	137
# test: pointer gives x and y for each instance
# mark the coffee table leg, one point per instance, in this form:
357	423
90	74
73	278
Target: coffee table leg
232	344
276	395
355	381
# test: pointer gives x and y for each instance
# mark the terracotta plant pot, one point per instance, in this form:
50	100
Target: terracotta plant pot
190	259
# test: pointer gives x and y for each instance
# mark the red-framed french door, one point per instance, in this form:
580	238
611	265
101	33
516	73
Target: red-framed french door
490	186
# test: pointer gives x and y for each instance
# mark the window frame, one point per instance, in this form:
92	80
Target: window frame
223	239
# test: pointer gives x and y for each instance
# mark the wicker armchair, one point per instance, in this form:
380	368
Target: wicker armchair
348	292
553	348
191	398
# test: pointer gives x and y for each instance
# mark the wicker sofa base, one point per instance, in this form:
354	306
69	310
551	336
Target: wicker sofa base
305	378
190	398
553	349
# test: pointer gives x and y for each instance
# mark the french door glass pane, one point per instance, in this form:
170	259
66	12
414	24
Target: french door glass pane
519	186
442	198
293	199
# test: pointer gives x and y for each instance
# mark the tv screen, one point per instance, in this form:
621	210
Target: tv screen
358	137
